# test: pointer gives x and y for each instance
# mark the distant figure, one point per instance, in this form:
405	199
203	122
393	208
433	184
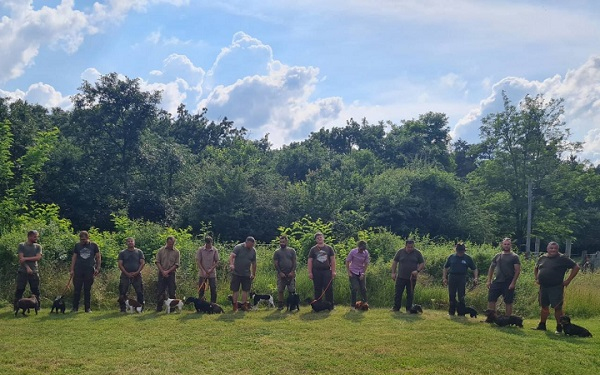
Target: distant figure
167	261
321	268
207	259
131	263
29	252
242	264
85	265
357	262
507	267
406	266
284	260
455	277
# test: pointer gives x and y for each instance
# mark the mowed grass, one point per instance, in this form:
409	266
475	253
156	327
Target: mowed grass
272	342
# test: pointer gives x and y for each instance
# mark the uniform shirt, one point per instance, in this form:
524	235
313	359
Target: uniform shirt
286	258
458	265
505	266
551	270
131	259
29	251
244	258
408	262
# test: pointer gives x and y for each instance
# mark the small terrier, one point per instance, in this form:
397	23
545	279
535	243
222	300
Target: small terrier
264	298
131	305
173	304
58	304
361	306
26	304
571	329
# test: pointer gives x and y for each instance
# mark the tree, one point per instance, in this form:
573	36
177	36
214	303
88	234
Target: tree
526	143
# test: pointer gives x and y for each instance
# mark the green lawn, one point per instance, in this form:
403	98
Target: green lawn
272	342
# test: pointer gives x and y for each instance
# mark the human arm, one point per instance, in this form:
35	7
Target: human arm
572	275
98	263
490	274
253	270
231	261
309	266
141	267
294	265
122	268
513	283
73	260
416	272
445	276
535	274
332	265
394	268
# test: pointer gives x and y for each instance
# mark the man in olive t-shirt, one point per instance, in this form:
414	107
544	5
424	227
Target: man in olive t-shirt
284	260
406	266
131	262
242	264
549	272
29	252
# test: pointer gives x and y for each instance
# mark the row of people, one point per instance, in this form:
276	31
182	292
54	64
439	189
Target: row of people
408	262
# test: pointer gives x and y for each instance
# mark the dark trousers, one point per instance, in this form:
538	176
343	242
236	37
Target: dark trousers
138	286
356	284
23	278
456	285
83	279
212	283
322	280
165	284
402	284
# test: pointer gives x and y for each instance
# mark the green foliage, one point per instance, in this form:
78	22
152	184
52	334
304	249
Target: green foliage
301	235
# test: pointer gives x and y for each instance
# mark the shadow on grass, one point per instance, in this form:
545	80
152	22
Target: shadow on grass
311	315
279	315
103	316
230	317
192	316
355	316
54	316
406	316
572	339
465	320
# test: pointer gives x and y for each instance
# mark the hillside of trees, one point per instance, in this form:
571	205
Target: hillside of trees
116	152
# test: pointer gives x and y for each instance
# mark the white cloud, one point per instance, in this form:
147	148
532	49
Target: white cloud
42	94
580	89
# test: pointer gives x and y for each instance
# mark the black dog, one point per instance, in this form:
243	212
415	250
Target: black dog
416	309
27	304
58	304
216	309
319	305
502	320
571	329
469	310
199	304
293	302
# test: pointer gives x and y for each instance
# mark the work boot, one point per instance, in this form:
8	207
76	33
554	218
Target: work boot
541	326
558	328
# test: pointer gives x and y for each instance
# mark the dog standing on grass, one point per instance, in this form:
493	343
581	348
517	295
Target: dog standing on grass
58	304
27	304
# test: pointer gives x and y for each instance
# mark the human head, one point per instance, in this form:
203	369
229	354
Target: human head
130	242
171	241
208	241
32	236
283	241
410	245
84	237
460	248
506	244
319	238
552	249
362	245
250	241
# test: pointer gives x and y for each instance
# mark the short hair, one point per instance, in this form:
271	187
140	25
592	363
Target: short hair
460	247
129	238
410	242
32	232
507	239
318	234
553	243
208	239
84	233
250	239
283	237
362	244
172	238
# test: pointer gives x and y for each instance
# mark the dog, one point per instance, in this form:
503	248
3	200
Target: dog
27	304
216	309
361	306
264	298
571	329
469	310
416	309
502	320
199	304
58	304
173	304
131	305
293	302
319	305
240	306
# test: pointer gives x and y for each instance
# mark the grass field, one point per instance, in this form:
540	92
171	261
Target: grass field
273	342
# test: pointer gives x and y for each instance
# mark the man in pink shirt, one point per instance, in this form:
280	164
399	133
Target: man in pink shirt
356	265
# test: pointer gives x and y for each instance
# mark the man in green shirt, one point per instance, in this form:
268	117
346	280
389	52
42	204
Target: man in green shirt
242	264
29	252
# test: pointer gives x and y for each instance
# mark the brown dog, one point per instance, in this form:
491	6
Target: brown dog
27	304
361	306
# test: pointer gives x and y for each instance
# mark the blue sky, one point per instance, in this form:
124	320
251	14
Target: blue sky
288	68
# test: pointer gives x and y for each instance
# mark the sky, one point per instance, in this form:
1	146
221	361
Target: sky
288	68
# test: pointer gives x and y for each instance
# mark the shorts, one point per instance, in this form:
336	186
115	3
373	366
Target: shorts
290	283
551	296
244	281
501	289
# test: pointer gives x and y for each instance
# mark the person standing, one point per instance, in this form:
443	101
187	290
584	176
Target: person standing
406	266
207	259
321	268
284	260
242	264
357	262
167	261
85	265
549	272
131	263
507	267
455	277
29	253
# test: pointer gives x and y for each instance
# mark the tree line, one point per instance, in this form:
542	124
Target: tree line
116	152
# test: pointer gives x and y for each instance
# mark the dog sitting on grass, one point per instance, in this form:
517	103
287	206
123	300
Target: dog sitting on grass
199	304
27	304
502	320
319	305
58	304
361	306
416	309
571	329
293	302
469	310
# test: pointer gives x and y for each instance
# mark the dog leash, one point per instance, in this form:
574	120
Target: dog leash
203	286
68	285
324	291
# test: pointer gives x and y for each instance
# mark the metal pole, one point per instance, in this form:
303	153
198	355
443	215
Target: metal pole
529	209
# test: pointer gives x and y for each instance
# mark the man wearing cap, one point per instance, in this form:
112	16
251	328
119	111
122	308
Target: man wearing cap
455	277
357	262
549	274
242	264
